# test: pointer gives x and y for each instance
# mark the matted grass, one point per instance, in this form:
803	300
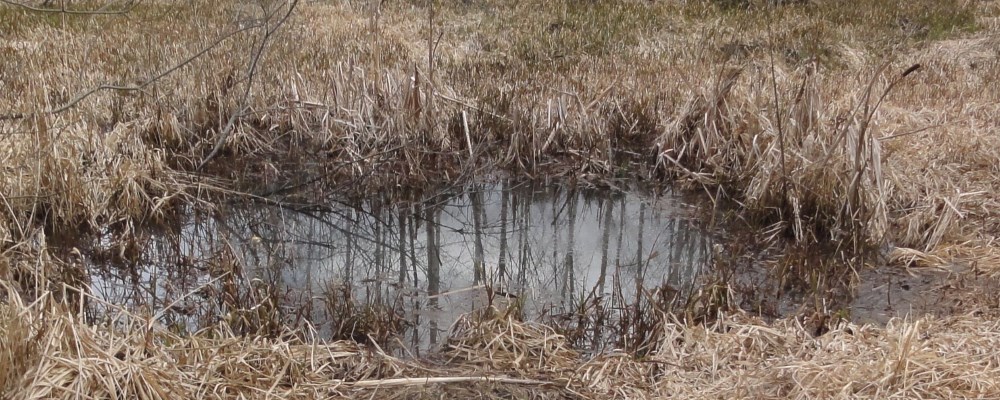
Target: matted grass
49	353
777	108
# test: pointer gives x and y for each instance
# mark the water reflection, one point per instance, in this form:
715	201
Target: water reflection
549	246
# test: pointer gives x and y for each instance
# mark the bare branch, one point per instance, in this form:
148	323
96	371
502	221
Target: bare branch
130	88
63	10
251	73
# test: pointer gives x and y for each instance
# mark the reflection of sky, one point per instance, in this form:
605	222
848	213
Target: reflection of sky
305	252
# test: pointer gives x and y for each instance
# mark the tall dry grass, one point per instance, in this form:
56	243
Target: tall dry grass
778	108
411	86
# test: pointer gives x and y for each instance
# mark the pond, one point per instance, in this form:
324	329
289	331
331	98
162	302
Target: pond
549	249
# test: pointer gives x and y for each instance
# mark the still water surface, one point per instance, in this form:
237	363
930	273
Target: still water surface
549	246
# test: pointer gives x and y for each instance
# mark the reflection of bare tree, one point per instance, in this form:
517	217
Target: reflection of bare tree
676	241
413	226
605	242
433	251
514	218
640	261
415	215
568	265
616	284
504	199
380	241
401	233
555	233
292	251
599	291
478	259
702	253
433	224
523	245
691	237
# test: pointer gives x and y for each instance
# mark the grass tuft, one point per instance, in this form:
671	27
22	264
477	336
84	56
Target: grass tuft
806	115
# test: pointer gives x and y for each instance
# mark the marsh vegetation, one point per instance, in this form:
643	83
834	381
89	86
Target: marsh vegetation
287	199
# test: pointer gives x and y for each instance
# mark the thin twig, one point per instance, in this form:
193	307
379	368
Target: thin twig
913	132
129	88
444	379
251	74
63	10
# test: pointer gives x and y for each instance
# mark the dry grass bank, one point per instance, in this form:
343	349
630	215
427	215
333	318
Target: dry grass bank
810	116
48	353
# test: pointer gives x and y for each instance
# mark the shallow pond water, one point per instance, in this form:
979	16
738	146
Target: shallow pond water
549	248
555	253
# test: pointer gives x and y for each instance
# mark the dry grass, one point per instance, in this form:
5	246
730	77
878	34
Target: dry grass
373	320
49	353
777	109
929	358
593	86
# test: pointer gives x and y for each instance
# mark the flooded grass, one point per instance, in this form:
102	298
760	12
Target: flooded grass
327	199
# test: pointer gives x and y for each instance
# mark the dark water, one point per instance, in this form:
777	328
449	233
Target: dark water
551	253
549	248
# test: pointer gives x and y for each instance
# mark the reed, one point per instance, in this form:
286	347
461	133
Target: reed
812	117
114	127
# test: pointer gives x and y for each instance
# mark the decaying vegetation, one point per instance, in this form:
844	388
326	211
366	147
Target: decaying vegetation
863	126
49	353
